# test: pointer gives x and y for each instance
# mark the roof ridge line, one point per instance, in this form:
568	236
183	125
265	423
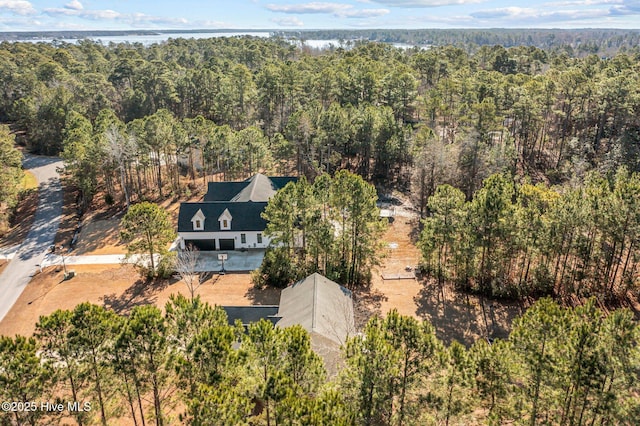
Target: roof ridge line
315	300
253	187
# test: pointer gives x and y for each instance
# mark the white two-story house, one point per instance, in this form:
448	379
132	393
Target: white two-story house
230	216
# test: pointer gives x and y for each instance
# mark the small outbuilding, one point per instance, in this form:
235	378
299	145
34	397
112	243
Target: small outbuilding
321	306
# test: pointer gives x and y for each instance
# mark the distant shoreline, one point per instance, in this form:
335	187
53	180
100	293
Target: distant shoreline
80	34
601	41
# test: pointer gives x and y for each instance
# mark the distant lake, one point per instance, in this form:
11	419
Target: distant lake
149	39
346	44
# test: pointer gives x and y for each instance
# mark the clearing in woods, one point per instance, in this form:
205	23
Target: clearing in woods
455	316
120	288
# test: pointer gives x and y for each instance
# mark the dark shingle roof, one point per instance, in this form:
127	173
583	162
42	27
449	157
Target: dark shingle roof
251	314
223	191
245	200
245	216
281	181
257	188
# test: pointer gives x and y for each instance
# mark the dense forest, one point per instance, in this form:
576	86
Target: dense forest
247	103
580	41
559	366
332	226
137	122
10	175
519	239
521	157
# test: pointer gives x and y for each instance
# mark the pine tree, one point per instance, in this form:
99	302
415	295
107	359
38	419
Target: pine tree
25	380
146	227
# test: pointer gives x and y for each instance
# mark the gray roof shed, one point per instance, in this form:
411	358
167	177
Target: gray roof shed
320	306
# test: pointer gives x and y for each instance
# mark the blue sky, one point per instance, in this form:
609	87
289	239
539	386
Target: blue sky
26	15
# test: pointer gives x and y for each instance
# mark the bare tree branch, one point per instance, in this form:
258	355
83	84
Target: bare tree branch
186	262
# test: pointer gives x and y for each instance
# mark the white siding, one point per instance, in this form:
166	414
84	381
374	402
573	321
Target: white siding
252	238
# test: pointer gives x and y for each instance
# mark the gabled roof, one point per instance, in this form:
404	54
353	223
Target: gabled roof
226	214
198	215
245	201
246	216
258	188
320	306
281	181
223	191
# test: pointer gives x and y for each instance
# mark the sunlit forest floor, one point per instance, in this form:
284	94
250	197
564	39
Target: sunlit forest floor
455	315
99	232
20	220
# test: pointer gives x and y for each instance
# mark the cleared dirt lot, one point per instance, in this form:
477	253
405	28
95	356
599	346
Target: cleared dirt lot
120	288
462	317
456	316
100	236
100	227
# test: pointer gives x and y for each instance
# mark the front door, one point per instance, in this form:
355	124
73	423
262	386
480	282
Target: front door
227	244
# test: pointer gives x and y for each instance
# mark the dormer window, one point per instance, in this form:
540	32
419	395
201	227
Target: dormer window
225	220
198	221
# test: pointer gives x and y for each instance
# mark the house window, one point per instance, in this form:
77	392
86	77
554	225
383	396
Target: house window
198	224
243	238
225	223
259	238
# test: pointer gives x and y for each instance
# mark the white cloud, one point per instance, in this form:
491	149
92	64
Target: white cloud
288	22
99	15
95	15
424	3
139	18
19	7
74	5
339	10
568	3
134	19
536	15
570	12
313	7
629	7
365	13
206	23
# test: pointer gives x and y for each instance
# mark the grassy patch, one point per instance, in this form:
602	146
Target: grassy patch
29	181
